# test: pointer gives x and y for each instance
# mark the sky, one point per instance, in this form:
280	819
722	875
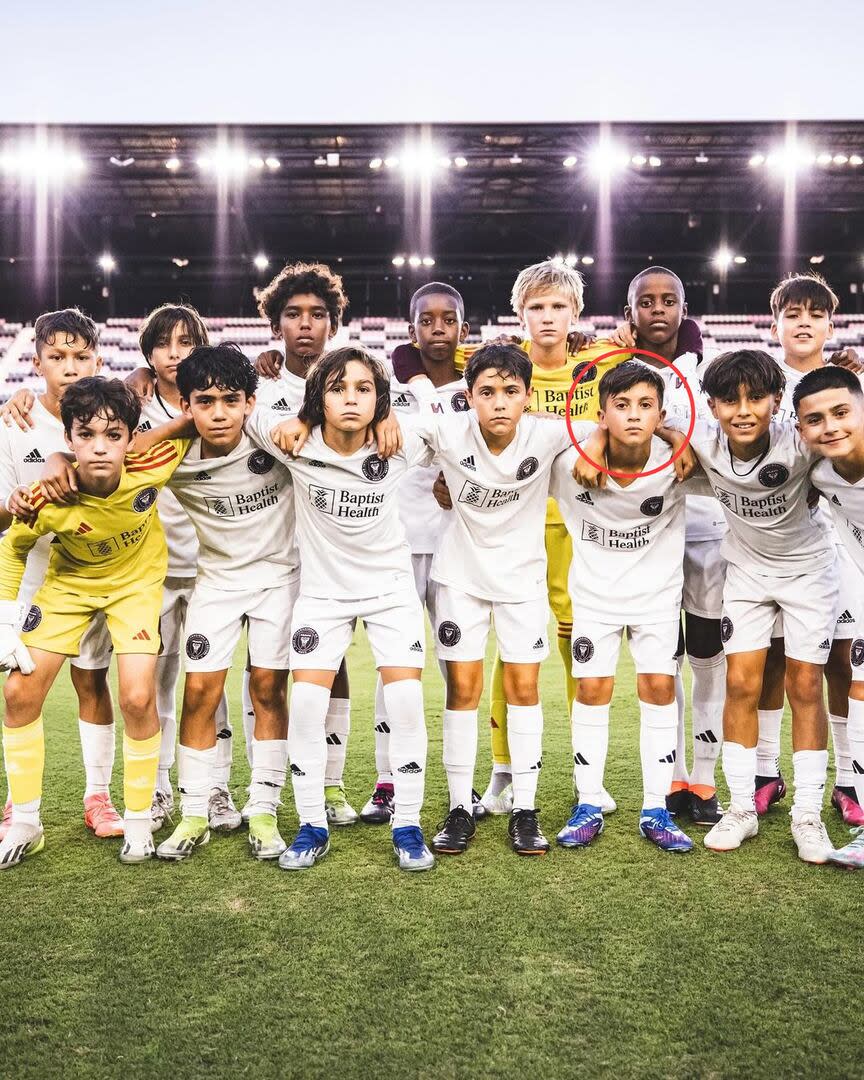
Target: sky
403	61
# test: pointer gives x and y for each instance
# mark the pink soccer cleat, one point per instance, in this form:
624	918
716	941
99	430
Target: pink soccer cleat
101	816
843	799
769	790
7	818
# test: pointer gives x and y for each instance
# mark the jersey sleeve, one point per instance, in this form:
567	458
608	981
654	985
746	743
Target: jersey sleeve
561	477
8	477
417	449
160	461
14	549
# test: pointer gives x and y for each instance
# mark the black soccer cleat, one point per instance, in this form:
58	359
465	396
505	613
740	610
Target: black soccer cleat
477	807
525	833
453	836
705	812
678	803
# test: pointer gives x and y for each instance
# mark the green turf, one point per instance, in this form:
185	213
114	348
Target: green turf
619	961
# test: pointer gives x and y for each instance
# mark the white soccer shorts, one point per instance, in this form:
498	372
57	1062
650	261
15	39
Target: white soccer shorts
462	627
176	594
321	630
595	647
421	565
214	623
704	576
808	603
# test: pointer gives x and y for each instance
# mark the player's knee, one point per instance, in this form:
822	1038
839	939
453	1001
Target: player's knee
521	690
463	691
743	683
656	689
137	702
268	689
803	681
595	691
90	685
17	694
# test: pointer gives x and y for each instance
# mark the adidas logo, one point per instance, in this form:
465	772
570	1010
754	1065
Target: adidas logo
580	759
846	617
296	770
707	736
224	733
835	500
83	528
411	767
468	463
202	476
538	766
145	426
383	728
858	768
333	739
400	402
585	498
416	647
142	635
826	644
281	405
538	644
669	759
34	458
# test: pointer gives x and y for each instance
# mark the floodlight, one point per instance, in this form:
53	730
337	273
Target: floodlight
272	163
723	258
173	164
569	161
415	261
587	260
460	162
261	261
606	158
376	163
428	260
740	260
107	263
398	260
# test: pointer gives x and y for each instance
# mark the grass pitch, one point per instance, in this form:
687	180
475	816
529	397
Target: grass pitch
618	961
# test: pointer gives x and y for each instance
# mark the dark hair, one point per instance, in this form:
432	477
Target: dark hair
649	271
436	288
826	378
110	399
295	279
71	322
505	359
223	366
625	376
330	368
753	368
810	290
161	321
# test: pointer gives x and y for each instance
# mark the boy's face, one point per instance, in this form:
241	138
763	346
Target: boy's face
746	416
99	444
632	416
349	402
802	330
64	361
170	350
304	326
499	400
218	414
438	326
657	310
548	318
832	422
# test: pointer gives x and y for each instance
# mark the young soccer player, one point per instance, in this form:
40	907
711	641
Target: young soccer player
66	349
108	556
829	404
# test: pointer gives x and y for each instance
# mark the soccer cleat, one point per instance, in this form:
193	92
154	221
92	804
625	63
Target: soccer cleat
222	814
264	838
20	842
678	802
339	810
453	836
477	808
137	851
585	825
379	809
730	832
525	833
7	818
844	800
191	833
101	816
852	855
705	812
607	803
769	789
309	845
502	803
657	826
411	850
160	809
811	838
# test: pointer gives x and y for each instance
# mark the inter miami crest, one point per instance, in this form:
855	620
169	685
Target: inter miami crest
528	467
773	475
583	650
459	403
375	468
652	507
726	629
144	500
857	649
449	634
197	646
260	462
590	375
34	617
305	640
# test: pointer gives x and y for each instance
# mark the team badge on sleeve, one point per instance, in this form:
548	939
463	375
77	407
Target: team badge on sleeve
528	467
773	475
197	646
305	640
857	650
375	468
583	650
459	403
726	629
449	634
144	500
652	507
34	617
260	462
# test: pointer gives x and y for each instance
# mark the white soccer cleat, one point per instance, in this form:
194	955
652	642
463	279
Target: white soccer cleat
502	803
730	832
222	814
339	811
137	850
161	808
20	842
811	838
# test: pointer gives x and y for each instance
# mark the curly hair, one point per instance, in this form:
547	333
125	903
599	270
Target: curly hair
296	279
224	366
109	399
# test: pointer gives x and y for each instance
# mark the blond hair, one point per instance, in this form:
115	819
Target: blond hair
544	277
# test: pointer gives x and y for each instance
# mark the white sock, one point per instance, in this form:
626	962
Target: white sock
26	813
408	745
768	746
167	674
460	754
270	762
136	826
855	735
842	753
97	748
337	726
248	718
307	749
194	778
679	768
502	776
525	737
739	768
709	693
589	733
224	745
658	729
382	736
809	773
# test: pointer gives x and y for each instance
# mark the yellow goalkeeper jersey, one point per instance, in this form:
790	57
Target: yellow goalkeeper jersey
100	544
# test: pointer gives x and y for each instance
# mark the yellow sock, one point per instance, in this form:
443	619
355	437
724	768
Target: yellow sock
498	716
24	751
570	683
140	765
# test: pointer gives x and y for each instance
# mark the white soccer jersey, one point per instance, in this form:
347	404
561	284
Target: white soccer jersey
847	508
628	542
351	540
423	518
282	396
242	508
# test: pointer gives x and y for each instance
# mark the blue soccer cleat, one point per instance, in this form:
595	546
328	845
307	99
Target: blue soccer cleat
585	825
852	855
657	826
411	850
310	844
